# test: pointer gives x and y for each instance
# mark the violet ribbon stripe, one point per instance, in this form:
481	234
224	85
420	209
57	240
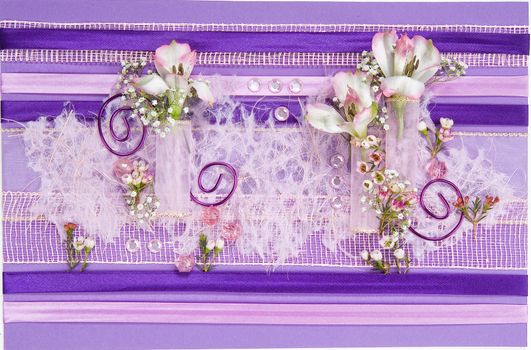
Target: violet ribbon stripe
250	41
237	313
462	114
261	282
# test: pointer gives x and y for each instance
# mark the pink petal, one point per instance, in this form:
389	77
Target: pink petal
382	48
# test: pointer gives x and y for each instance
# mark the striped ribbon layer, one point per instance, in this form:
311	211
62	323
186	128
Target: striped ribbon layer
250	41
302	314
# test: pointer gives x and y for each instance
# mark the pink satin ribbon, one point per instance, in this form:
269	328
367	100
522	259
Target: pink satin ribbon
101	84
231	313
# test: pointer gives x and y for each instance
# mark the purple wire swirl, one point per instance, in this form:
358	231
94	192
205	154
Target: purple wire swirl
434	215
231	170
120	111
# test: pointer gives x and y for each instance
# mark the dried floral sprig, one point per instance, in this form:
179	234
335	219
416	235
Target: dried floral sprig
210	250
77	246
477	210
437	139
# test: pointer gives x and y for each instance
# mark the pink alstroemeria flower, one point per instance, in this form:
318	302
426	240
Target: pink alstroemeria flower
174	64
357	100
407	64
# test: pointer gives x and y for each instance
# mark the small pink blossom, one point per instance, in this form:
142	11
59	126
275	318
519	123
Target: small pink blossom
383	194
210	216
445	135
185	263
231	231
398	205
436	169
122	166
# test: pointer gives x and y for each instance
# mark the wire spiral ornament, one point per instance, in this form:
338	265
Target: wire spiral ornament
119	139
223	200
444	201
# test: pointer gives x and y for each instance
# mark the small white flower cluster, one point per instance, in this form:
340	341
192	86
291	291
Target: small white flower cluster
370	66
451	68
382	118
137	181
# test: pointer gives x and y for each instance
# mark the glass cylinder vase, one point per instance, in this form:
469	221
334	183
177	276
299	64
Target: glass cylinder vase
401	140
173	168
362	217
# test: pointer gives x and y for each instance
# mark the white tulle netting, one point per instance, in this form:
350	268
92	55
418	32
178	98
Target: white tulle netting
290	211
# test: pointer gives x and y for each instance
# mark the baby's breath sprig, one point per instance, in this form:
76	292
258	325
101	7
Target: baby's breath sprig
450	69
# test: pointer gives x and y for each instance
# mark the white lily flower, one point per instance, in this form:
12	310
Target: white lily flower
152	84
360	124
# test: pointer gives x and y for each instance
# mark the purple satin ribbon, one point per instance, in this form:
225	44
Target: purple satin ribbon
462	114
250	41
262	282
252	313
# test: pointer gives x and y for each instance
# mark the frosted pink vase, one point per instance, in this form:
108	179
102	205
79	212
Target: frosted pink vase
402	138
360	221
173	169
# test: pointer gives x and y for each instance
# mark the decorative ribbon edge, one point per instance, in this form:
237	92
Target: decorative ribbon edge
247	313
279	59
257	27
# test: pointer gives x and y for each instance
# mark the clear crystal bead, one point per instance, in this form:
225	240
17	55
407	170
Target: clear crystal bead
254	85
275	86
281	114
132	245
295	86
155	246
336	202
336	161
336	181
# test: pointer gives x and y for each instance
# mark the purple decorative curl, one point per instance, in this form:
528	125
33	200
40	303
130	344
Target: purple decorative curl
231	170
120	111
434	215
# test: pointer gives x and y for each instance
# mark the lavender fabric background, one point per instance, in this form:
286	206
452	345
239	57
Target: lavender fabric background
52	336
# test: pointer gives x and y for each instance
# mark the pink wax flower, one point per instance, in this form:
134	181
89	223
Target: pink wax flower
122	166
185	263
210	216
398	205
436	169
445	135
231	231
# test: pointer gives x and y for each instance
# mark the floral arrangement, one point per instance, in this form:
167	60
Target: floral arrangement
436	139
396	72
161	98
140	195
77	247
477	210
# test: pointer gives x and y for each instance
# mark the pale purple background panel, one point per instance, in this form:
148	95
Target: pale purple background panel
46	336
486	13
